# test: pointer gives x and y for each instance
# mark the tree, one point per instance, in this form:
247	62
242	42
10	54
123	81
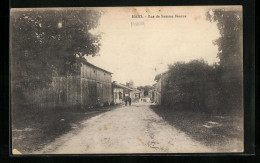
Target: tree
186	84
145	88
229	43
230	69
195	69
47	42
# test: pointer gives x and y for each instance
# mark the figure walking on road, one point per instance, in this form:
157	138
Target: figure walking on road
130	101
125	101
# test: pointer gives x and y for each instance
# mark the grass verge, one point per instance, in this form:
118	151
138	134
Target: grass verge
33	128
223	133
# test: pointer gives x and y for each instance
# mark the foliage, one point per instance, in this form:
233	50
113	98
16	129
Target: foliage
185	83
230	41
198	86
46	43
193	70
230	53
145	88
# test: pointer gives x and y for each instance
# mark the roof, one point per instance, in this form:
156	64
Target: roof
158	76
121	86
83	60
137	91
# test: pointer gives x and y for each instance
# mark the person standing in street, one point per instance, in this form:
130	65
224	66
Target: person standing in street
130	100
126	101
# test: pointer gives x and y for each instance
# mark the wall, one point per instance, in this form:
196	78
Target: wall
116	92
63	91
92	87
157	92
96	86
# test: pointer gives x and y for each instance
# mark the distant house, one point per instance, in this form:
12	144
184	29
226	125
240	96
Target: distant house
159	87
92	86
137	94
120	92
130	85
151	94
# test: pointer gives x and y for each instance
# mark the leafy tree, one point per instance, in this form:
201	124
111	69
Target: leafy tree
145	88
229	23
230	69
193	70
47	43
200	87
185	83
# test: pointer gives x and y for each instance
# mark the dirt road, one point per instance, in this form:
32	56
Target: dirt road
127	129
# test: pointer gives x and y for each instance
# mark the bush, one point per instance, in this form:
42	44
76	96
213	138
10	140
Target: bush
199	87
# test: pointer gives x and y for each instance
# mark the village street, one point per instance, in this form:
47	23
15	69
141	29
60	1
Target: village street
127	129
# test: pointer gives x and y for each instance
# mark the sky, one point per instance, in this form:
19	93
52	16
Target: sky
139	53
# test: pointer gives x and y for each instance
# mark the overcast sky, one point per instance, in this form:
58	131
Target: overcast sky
138	53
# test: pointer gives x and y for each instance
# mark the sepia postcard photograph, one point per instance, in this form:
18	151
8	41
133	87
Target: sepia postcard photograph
126	80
